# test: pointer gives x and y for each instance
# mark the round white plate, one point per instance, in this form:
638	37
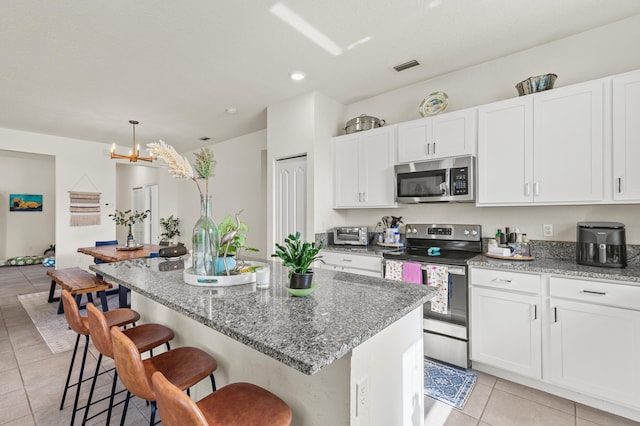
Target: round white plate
433	104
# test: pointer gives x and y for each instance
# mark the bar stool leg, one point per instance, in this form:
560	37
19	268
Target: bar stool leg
113	394
73	359
124	410
93	386
75	402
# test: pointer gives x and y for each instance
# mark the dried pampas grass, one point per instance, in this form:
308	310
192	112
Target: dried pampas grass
177	165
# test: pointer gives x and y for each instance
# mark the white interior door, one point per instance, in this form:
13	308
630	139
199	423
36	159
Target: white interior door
291	197
146	199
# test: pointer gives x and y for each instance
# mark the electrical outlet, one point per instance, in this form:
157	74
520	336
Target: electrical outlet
547	230
362	397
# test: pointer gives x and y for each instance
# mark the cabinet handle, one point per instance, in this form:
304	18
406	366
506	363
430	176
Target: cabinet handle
535	312
499	280
596	293
428	148
527	189
347	260
555	314
536	189
434	147
619	185
364	197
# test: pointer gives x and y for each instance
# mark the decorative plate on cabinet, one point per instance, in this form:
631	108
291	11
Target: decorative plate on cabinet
433	104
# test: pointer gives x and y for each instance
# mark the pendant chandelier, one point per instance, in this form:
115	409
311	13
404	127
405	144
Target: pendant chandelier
134	154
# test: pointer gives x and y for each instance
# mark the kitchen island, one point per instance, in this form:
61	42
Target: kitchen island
350	353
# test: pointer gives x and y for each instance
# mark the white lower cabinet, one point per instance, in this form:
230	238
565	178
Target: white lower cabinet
595	348
354	263
506	321
587	332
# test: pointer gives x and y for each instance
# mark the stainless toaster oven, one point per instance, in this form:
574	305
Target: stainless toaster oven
351	235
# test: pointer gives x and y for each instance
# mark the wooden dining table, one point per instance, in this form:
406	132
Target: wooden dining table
116	253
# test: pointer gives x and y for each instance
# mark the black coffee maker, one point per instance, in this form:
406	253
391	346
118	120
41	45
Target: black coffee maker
601	244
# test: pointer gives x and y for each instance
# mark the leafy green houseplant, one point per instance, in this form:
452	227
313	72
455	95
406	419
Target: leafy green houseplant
129	218
170	228
299	256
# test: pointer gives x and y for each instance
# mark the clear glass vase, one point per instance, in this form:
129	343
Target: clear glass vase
205	241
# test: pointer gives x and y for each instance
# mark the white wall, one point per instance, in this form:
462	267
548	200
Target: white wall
239	182
26	233
597	53
304	125
79	166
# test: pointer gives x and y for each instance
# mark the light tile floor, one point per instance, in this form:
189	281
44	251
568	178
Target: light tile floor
31	380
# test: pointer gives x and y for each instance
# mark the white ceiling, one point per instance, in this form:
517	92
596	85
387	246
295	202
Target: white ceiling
82	69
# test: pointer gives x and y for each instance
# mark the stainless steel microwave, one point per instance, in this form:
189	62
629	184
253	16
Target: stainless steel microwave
444	179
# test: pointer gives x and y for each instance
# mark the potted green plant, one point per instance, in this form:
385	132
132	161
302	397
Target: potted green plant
170	229
129	218
233	238
299	257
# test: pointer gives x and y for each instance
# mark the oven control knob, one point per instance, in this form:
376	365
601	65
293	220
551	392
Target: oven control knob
466	232
414	231
474	232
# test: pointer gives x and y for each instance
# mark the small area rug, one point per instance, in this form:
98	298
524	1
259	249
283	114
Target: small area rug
53	327
447	384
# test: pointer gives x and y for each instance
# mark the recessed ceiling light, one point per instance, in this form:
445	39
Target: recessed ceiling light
231	110
297	75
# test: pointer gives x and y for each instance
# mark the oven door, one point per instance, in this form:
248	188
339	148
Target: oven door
450	305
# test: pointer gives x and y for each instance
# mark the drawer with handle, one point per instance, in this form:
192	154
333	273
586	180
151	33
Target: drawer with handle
603	293
516	281
348	260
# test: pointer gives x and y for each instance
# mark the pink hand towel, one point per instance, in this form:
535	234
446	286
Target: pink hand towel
412	272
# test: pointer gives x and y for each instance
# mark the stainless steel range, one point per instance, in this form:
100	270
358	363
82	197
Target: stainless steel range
442	252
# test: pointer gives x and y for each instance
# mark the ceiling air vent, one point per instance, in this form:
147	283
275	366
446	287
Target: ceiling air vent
412	63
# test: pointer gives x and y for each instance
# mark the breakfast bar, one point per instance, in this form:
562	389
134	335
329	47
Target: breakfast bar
349	353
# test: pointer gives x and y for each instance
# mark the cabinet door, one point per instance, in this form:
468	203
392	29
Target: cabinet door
595	350
506	331
347	157
412	140
569	144
626	137
453	134
505	149
376	174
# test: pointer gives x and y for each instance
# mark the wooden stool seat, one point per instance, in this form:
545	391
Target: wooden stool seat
237	404
77	281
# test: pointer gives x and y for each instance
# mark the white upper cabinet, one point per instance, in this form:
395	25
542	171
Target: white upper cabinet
626	137
568	144
364	173
544	148
505	150
445	135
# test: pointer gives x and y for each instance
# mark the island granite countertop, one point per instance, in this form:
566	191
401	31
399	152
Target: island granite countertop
305	333
630	274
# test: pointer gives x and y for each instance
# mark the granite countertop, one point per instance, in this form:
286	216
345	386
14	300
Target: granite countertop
305	333
370	250
561	267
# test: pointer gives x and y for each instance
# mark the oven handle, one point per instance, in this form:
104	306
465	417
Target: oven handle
455	270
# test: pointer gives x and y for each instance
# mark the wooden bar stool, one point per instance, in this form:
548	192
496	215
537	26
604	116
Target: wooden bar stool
237	404
184	367
144	336
80	324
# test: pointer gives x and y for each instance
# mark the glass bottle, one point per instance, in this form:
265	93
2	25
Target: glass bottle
205	240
